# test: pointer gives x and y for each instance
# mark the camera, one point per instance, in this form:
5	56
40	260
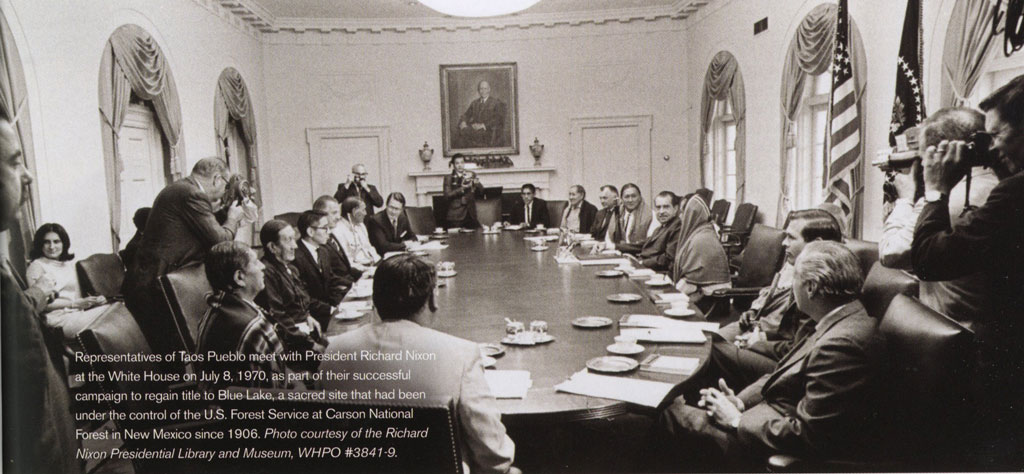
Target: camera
977	152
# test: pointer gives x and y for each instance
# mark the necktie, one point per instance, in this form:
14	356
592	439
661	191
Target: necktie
629	226
528	221
334	244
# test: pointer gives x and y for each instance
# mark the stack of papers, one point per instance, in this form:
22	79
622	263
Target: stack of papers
668	298
508	383
682	335
640	392
670	364
661	322
605	261
541	238
641	273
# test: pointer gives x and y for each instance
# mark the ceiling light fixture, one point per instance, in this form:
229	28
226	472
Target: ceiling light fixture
478	8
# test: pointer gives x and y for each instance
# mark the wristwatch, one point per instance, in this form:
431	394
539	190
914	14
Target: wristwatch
934	196
735	425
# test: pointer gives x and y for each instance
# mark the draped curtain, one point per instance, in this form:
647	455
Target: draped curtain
133	63
232	101
967	47
14	103
810	54
723	80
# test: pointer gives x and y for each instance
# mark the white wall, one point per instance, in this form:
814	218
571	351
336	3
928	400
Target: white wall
392	79
728	25
61	42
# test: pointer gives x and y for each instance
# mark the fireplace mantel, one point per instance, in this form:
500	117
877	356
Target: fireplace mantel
430	182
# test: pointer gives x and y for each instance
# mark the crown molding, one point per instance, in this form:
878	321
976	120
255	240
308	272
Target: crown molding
227	15
263	21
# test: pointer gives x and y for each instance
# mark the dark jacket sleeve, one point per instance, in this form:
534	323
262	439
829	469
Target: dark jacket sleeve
451	192
379	237
939	252
662	260
375	198
540	212
587	214
199	217
280	303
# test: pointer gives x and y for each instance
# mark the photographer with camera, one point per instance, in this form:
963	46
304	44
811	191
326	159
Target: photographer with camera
966	298
990	241
356	185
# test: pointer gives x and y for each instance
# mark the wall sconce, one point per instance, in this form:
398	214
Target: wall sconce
536	150
426	153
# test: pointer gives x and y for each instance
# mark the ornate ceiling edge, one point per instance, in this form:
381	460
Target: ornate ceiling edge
263	21
237	19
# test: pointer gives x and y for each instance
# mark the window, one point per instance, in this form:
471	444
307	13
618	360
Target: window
999	69
720	153
806	145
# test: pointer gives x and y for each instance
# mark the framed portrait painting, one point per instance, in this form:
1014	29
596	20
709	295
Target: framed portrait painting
479	109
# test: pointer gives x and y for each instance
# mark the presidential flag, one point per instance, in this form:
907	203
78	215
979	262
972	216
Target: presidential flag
908	105
846	150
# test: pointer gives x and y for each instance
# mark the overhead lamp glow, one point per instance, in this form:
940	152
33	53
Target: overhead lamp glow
478	8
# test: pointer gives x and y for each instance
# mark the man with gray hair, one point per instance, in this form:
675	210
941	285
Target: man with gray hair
817	402
180	230
356	186
579	214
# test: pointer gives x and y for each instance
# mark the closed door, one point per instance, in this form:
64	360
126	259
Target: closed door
611	150
143	174
333	152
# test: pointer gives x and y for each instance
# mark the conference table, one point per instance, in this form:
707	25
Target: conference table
498	276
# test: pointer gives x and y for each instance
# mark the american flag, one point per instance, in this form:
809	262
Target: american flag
845	153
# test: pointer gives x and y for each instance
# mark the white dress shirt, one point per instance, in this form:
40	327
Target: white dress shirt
355	241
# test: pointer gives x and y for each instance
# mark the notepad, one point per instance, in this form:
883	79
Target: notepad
605	261
670	364
641	392
508	383
680	335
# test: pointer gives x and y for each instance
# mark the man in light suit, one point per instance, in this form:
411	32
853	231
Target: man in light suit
180	230
532	210
389	229
579	215
357	186
403	290
818	402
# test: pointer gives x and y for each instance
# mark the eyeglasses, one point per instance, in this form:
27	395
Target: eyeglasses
322	227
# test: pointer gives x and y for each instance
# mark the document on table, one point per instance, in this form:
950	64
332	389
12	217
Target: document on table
690	335
605	261
641	392
567	259
429	245
668	298
670	364
661	322
541	238
508	383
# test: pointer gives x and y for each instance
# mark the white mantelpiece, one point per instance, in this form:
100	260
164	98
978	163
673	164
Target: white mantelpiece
429	183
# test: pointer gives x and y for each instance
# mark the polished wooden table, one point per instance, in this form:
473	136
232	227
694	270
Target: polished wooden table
499	277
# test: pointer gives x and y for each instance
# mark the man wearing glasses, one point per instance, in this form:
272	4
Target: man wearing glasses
180	230
356	186
316	270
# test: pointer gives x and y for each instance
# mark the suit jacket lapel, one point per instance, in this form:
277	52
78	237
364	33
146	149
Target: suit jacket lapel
799	353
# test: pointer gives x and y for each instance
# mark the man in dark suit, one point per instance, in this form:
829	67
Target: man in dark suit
180	230
284	297
313	261
579	215
987	242
389	229
608	214
483	123
38	430
659	251
357	186
532	210
817	403
339	261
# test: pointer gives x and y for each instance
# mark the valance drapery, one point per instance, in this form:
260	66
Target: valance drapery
723	80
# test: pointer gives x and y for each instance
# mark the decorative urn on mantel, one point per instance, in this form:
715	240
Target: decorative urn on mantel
426	153
536	150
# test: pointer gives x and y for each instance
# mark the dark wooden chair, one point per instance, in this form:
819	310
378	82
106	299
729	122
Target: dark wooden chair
421	220
185	291
555	209
488	211
928	366
760	260
101	274
440	208
734	235
706	194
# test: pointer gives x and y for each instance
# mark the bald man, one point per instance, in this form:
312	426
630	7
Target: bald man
357	186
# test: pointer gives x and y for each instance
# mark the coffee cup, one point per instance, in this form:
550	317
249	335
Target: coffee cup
680	304
540	226
625	341
439	230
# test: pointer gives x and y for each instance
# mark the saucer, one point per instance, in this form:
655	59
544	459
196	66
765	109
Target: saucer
612	364
488	362
490	349
447	274
527	338
539	248
658	282
591	322
624	298
467	231
679	312
514	227
625	350
609	273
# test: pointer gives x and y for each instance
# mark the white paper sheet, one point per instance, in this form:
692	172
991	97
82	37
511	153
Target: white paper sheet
429	245
657	321
667	298
673	364
641	392
541	238
690	335
605	261
508	383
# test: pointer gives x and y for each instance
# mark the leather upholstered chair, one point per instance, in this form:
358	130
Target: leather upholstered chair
488	211
185	291
734	235
291	218
555	209
101	274
760	260
882	285
421	220
720	211
866	252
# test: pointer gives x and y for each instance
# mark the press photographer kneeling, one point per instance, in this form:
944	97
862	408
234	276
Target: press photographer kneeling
990	241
